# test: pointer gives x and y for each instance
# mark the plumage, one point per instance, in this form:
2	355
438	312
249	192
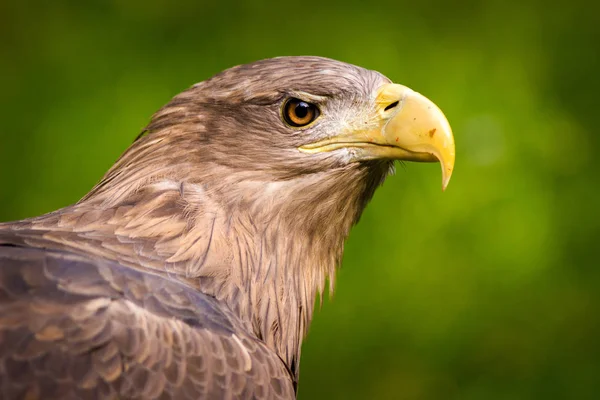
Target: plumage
191	269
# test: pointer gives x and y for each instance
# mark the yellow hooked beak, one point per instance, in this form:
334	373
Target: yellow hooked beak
408	126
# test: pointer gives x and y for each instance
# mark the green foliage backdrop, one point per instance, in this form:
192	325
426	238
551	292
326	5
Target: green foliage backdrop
488	291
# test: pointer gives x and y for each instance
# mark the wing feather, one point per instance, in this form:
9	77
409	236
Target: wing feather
74	327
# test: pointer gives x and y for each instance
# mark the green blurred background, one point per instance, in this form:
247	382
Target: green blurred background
490	290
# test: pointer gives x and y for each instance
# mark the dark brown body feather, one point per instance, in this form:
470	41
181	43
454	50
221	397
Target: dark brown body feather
191	269
74	327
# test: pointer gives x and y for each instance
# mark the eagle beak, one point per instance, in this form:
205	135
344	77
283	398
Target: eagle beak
415	124
406	126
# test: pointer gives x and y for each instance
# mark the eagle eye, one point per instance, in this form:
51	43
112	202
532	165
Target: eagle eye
298	113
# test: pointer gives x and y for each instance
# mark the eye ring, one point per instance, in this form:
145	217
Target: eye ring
299	113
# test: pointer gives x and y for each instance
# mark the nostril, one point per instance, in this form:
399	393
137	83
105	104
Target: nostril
389	107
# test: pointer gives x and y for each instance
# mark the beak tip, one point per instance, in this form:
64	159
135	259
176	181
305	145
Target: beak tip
446	175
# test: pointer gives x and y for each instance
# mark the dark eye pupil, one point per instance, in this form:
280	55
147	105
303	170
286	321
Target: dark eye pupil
302	109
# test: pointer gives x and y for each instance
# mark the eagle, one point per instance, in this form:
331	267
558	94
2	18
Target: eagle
191	270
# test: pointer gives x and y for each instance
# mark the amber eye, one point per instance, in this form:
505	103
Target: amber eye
298	113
